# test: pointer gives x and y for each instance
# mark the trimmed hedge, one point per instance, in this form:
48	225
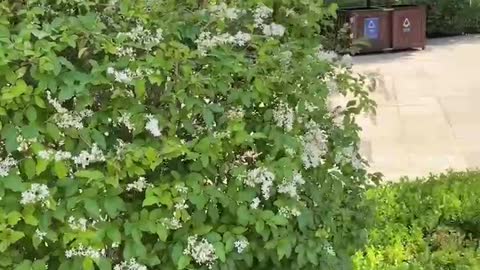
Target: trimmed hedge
431	224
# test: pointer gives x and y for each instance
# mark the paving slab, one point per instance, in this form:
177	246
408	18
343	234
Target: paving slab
428	115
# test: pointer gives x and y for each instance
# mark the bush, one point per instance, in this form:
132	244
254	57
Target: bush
431	224
451	17
170	136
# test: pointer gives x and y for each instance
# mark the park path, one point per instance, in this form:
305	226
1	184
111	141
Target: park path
428	116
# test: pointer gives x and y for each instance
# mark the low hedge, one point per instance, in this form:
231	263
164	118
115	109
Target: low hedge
430	224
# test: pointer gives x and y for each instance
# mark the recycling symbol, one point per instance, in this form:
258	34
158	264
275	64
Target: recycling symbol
406	23
371	25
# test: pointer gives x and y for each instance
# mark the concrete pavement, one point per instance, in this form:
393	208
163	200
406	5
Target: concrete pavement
428	116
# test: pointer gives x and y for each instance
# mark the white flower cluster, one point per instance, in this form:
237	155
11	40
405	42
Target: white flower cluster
222	11
263	13
36	193
85	158
181	205
6	165
131	264
255	203
79	224
236	113
349	155
120	149
288	212
284	117
273	30
88	252
152	126
181	189
67	119
314	146
171	223
24	144
241	245
202	252
40	234
327	56
126	76
125	119
144	36
127	52
329	249
263	177
53	154
139	185
290	187
208	41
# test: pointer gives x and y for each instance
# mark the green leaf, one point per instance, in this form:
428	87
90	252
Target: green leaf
166	199
60	169
31	114
220	251
88	264
29	167
202	229
13	182
162	232
259	226
140	89
243	215
103	264
13	218
114	234
24	265
41	166
99	139
113	205
39	102
208	117
150	200
91	206
90	174
279	220
183	262
284	248
53	132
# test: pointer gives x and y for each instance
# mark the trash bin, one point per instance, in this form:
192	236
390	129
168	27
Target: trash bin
373	25
409	27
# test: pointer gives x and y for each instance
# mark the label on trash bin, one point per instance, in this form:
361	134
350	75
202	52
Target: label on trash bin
371	28
406	25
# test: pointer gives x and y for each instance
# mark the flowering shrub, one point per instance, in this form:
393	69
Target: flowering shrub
177	135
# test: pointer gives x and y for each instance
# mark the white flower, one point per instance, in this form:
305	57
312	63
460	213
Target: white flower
152	126
288	212
202	252
172	223
120	149
222	11
82	251
263	177
314	147
181	189
144	36
36	193
40	234
85	158
284	117
6	165
328	56
290	187
346	60
126	51
255	203
261	13
236	113
240	38
273	30
181	205
130	265
79	224
241	245
125	120
329	249
67	119
140	185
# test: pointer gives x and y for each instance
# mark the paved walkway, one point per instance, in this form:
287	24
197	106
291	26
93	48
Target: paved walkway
428	117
